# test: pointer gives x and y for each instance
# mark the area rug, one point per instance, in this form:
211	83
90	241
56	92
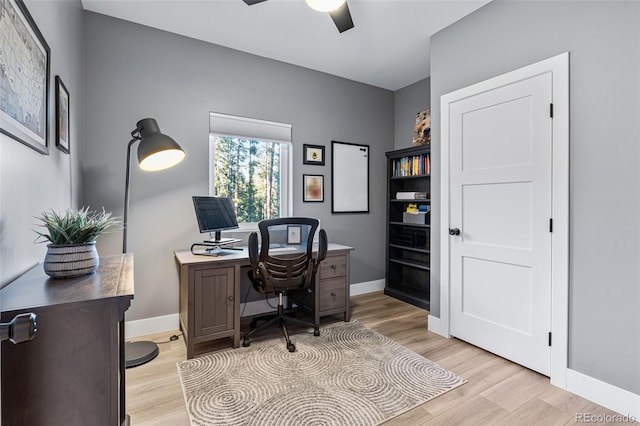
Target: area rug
349	375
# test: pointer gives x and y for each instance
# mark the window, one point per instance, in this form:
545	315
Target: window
250	162
250	171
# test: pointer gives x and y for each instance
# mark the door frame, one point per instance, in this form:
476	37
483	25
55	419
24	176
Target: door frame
559	68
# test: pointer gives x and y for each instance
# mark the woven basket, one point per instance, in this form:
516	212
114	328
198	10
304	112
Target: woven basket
68	261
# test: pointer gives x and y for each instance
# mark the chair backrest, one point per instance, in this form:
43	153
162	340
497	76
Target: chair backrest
284	257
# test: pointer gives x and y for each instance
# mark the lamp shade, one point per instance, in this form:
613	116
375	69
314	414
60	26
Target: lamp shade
325	5
156	151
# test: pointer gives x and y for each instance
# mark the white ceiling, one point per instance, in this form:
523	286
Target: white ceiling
388	48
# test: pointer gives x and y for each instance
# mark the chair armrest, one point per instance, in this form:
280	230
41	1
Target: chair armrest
322	246
252	248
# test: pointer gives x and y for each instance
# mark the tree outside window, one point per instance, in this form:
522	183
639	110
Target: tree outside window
250	172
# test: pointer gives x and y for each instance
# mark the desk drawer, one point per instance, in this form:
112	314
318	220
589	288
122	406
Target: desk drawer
333	293
333	266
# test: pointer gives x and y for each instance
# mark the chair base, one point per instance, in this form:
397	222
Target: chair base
281	320
288	312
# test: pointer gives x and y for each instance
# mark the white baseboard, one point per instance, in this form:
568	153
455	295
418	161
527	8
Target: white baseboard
605	394
366	287
151	326
435	325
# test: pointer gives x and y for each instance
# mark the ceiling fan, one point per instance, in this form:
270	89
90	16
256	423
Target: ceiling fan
338	9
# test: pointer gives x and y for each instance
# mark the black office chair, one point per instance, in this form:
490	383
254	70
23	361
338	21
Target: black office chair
285	262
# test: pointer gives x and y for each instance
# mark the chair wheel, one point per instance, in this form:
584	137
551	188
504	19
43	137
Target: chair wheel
246	342
316	331
291	347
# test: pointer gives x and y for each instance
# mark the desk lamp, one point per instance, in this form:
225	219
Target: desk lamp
156	151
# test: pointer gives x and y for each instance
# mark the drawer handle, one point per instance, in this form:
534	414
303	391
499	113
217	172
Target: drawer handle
334	267
230	298
333	293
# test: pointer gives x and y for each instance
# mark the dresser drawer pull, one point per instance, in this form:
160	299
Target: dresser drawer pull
230	298
333	293
334	267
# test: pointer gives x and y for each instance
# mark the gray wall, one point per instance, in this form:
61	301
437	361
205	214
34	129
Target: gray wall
603	39
408	101
29	181
134	71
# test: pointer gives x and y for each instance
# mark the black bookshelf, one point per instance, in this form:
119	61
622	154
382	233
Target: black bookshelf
408	244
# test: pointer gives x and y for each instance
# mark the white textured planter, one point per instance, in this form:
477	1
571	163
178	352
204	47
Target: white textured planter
68	261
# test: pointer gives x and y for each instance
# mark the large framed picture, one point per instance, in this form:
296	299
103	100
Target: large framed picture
313	188
313	154
24	110
62	116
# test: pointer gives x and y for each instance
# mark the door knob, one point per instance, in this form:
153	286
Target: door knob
454	231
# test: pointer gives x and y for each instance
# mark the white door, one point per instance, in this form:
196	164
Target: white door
500	201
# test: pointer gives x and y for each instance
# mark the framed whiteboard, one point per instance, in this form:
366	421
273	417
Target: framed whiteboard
349	178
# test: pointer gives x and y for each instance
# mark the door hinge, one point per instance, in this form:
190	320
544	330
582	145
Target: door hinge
549	338
550	225
551	110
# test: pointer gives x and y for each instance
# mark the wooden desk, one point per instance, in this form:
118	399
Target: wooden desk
210	293
72	372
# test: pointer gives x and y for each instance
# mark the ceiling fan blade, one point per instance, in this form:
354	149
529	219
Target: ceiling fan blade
252	2
342	18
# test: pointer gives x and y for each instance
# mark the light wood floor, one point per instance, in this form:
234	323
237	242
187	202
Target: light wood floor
498	392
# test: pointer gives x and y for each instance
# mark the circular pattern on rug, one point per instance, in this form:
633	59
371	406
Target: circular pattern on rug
233	402
270	360
327	407
221	404
366	379
421	377
354	337
199	369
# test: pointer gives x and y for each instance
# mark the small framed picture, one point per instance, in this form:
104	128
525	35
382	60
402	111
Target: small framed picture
62	116
294	234
313	188
313	154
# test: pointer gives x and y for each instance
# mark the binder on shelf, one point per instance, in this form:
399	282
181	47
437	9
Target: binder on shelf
411	195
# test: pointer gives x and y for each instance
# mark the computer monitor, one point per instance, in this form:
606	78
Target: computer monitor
215	214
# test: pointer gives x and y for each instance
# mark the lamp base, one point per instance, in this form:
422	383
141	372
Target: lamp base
138	353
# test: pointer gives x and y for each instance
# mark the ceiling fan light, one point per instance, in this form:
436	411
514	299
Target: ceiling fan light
325	5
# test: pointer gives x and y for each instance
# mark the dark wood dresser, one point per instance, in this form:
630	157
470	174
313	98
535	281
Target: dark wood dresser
72	372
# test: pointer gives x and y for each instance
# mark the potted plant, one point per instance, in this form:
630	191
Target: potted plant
71	251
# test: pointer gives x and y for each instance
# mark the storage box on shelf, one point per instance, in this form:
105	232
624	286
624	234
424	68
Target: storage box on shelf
419	218
408	234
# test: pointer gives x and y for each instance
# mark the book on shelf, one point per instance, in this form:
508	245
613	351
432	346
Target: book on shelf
415	165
